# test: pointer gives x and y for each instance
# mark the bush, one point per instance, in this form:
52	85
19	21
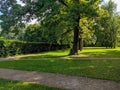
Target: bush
14	47
2	48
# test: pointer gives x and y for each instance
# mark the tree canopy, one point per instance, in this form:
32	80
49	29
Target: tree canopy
61	21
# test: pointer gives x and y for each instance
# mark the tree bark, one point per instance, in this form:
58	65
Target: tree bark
75	47
80	43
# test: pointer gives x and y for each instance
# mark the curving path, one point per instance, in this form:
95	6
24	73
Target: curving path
58	80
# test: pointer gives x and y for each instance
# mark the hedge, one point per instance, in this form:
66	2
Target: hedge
14	47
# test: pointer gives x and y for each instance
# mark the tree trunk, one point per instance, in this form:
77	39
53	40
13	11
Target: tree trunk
80	44
75	47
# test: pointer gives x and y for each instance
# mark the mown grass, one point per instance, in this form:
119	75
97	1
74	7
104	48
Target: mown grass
103	69
16	85
51	54
101	52
87	52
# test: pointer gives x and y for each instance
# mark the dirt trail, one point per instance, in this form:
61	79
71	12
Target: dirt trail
58	80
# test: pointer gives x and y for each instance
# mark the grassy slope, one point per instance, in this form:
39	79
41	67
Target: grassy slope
87	52
51	54
104	69
15	85
101	52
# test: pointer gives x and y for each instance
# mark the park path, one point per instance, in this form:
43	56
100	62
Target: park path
58	80
58	58
23	57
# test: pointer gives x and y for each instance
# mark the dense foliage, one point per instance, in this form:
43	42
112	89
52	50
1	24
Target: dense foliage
13	47
38	33
61	15
74	22
109	23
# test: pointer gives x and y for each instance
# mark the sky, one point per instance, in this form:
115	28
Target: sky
19	2
116	2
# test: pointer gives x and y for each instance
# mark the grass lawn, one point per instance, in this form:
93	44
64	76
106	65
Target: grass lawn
103	69
16	85
101	52
87	52
51	54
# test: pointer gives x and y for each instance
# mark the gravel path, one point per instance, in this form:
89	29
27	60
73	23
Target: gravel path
58	80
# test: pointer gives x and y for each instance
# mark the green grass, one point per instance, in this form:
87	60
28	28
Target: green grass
16	85
103	69
51	54
101	52
87	52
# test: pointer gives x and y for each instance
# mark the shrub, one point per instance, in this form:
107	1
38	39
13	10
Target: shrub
2	48
14	47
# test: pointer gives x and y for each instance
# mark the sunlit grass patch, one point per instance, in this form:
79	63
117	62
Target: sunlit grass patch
16	85
101	52
51	54
87	52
